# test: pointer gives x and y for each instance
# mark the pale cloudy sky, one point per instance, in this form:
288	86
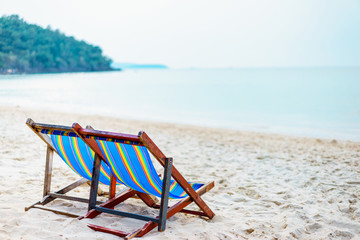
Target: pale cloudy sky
207	33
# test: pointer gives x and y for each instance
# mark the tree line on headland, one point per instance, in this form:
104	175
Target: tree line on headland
28	48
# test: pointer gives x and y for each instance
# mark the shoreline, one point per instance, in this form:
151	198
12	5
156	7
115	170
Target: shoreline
15	73
84	114
294	117
266	185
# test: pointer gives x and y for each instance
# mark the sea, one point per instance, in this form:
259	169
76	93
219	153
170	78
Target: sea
311	102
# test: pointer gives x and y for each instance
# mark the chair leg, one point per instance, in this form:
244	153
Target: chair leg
112	186
94	182
165	194
48	170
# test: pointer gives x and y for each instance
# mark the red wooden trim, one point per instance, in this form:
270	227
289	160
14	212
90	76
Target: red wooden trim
149	144
96	133
107	230
40	126
112	187
147	199
142	231
91	142
198	213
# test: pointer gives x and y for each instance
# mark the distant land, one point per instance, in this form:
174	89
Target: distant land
124	66
29	48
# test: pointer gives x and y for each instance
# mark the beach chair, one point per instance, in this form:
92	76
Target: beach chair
129	161
77	155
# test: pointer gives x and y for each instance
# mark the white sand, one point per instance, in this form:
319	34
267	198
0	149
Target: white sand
266	186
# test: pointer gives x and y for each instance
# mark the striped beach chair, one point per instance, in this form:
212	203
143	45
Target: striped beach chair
129	161
76	154
115	158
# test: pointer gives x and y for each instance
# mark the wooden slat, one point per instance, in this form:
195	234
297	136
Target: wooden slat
40	126
69	214
31	206
126	214
72	186
107	230
96	133
72	198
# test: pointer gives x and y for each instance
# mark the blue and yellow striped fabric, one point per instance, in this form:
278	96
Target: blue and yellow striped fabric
79	157
132	166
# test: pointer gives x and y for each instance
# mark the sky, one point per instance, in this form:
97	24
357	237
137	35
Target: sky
207	33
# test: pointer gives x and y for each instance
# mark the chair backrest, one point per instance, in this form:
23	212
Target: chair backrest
125	155
131	164
76	154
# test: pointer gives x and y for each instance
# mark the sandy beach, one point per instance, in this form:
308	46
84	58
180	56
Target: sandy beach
267	186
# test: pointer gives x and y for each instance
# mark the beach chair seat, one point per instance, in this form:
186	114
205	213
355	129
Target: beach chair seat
129	161
76	154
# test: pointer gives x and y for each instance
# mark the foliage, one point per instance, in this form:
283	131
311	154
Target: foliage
28	48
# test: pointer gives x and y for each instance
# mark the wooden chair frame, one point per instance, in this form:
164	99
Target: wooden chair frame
49	196
166	212
97	207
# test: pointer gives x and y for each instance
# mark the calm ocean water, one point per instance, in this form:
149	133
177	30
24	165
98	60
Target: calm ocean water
316	102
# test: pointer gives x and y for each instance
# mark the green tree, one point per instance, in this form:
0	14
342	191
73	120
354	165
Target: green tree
28	48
